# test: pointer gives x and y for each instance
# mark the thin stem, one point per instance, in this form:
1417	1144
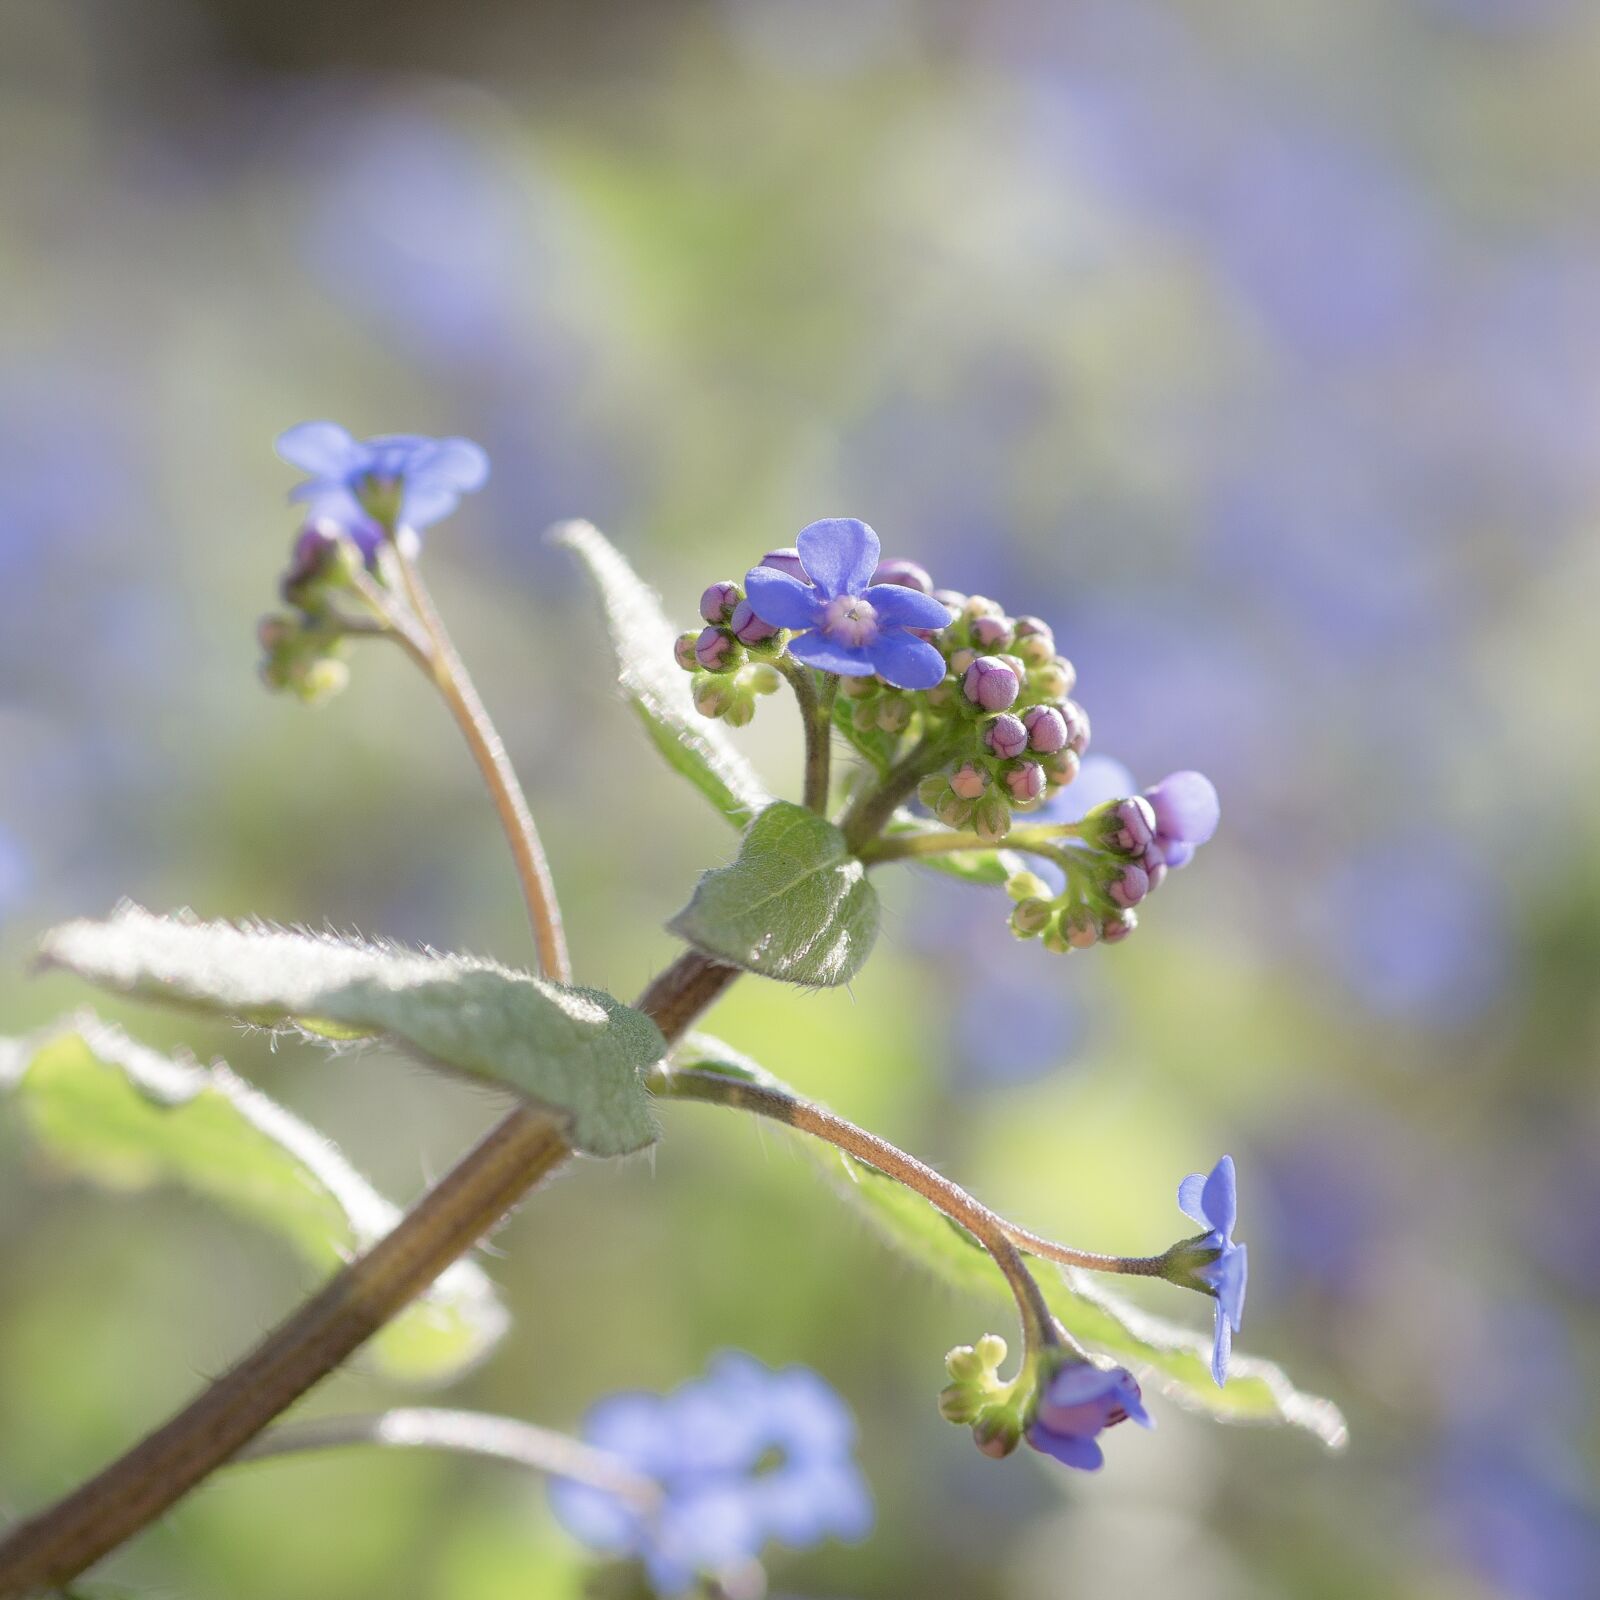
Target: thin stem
1045	840
714	1088
817	721
444	666
870	812
475	1433
53	1547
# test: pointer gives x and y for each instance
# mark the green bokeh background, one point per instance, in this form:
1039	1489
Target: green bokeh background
704	273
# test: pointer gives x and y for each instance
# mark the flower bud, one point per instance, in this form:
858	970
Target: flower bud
997	1432
960	1402
1077	720
1026	782
718	601
1029	918
1027	886
953	811
990	684
894	713
1017	665
960	660
1079	928
785	560
1054	680
759	677
740	711
747	627
964	1364
952	600
1062	767
1006	736
907	574
1055	938
979	605
716	650
1128	885
942	694
1156	872
1186	807
1115	928
992	634
859	688
683	651
969	781
991	819
1047	729
713	696
932	789
864	716
1126	826
1035	643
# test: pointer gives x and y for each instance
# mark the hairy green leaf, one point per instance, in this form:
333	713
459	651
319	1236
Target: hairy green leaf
577	1052
656	687
971	866
796	905
124	1117
1171	1358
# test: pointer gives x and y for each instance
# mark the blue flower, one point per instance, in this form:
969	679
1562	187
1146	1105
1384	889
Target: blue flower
843	621
1080	1402
1212	1201
1187	812
401	480
742	1456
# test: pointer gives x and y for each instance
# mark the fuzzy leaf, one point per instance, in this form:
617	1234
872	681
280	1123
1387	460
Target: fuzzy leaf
126	1118
1173	1359
577	1052
656	687
796	905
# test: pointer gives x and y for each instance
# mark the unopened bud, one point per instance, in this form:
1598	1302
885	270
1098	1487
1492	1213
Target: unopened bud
683	651
1026	782
1080	928
1077	720
1054	680
1115	928
864	716
1027	886
1055	938
991	819
997	1432
785	560
858	688
969	781
980	605
1128	885
1029	918
712	695
759	677
907	574
747	627
960	660
718	601
953	811
959	1402
1062	767
1047	729
990	684
740	711
1006	736
991	633
932	789
1126	826
952	600
716	650
942	694
894	713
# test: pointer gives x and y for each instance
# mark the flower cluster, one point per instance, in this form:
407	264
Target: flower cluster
743	1456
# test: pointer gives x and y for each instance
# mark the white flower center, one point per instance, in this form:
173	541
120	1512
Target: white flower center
851	621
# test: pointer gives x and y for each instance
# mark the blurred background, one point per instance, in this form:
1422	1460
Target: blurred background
1258	348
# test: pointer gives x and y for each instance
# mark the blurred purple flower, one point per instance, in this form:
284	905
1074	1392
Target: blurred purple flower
743	1455
355	480
1212	1201
1078	1404
1187	812
844	622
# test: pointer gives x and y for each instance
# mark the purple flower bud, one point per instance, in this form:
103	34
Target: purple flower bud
1062	767
715	650
1186	807
1047	729
1118	926
718	601
991	684
786	560
683	651
1006	736
960	660
1077	726
1177	854
1080	928
1026	782
952	600
1129	885
905	573
1157	874
747	627
315	546
1034	628
1130	826
991	819
1053	679
969	781
991	633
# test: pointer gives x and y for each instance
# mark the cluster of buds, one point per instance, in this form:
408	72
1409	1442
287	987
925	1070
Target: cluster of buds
302	651
730	657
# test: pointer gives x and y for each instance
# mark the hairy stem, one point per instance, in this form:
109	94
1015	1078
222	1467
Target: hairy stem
55	1546
475	1433
816	715
1045	840
869	814
714	1088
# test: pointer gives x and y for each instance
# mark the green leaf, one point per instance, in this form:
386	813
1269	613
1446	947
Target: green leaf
1173	1359
971	866
126	1118
656	687
796	905
577	1052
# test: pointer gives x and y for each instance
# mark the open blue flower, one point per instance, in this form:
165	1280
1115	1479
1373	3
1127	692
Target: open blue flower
397	479
741	1456
1212	1201
843	621
1078	1404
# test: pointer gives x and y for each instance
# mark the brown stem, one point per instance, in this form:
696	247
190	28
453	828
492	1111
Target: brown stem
55	1546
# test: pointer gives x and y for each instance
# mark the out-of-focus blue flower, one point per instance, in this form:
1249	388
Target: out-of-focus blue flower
399	479
844	622
1187	812
742	1456
1212	1200
1079	1403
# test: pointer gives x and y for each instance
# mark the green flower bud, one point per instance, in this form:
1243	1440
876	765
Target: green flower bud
953	811
894	713
759	678
712	695
1030	918
991	819
858	688
1027	886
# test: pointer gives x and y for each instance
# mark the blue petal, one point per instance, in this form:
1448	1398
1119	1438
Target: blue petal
906	608
323	498
781	601
1134	1406
817	650
1221	1197
1068	1448
460	463
596	1518
1222	1348
1229	1275
905	660
1077	1382
323	449
840	554
424	503
1191	1199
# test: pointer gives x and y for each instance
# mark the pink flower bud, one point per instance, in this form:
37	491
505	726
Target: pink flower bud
991	684
969	781
1077	720
991	633
1047	729
747	627
786	560
1026	782
718	601
683	651
1130	826
715	650
905	573
1006	736
1118	926
1062	767
1129	885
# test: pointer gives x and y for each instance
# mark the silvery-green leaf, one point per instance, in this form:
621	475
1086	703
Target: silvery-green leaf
122	1116
795	905
656	687
577	1052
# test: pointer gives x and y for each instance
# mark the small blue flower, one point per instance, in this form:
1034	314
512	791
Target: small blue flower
402	480
843	621
742	1456
1080	1402
1212	1201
